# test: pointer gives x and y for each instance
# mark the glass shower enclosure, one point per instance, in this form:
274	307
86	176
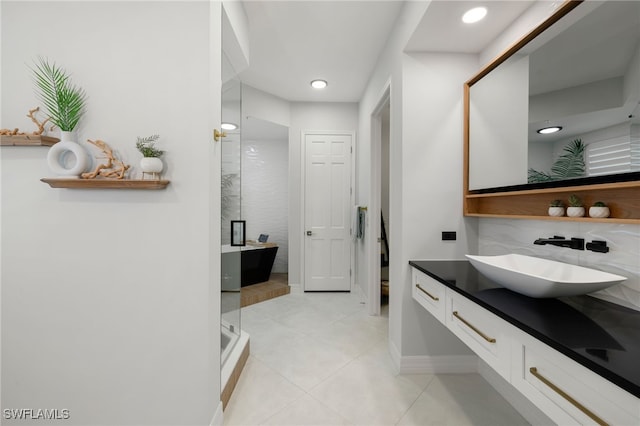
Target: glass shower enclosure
230	209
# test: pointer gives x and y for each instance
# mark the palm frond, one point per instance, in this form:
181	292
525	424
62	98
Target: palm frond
571	163
568	165
64	101
535	176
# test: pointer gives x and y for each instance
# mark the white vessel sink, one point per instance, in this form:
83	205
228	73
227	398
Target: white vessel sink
537	277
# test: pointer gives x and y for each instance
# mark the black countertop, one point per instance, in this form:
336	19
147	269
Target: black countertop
601	336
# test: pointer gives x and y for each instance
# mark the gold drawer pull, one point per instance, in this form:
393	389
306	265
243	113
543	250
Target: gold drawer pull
427	293
484	336
556	389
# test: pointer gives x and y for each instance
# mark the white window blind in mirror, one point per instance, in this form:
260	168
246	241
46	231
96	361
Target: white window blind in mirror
610	156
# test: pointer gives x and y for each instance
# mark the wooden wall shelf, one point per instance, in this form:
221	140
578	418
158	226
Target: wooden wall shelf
27	140
623	199
105	183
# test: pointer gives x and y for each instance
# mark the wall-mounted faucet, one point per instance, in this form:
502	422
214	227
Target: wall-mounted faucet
573	243
598	246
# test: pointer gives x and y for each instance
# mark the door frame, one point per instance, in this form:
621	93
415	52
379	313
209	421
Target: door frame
303	173
373	245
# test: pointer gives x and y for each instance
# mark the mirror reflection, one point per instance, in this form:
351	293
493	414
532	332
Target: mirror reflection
590	92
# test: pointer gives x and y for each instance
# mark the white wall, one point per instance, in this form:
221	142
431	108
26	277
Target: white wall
498	123
432	184
420	93
265	106
309	116
110	299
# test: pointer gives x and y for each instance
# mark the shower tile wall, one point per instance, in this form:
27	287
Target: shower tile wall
500	236
265	194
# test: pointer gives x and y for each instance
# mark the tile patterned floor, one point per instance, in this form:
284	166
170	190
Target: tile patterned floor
319	359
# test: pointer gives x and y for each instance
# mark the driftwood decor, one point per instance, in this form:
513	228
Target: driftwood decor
112	168
14	137
32	116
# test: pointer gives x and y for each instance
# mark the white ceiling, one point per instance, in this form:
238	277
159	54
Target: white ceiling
294	42
442	29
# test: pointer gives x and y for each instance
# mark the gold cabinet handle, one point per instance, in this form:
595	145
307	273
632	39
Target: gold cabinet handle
427	293
217	135
556	389
468	324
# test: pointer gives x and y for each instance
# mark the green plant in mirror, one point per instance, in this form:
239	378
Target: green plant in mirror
556	203
64	101
227	194
569	165
599	204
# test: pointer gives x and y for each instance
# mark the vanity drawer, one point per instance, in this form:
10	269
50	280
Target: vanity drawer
486	334
568	392
430	294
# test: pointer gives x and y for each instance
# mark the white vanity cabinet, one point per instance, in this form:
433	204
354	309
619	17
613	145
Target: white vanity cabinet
567	392
486	334
430	294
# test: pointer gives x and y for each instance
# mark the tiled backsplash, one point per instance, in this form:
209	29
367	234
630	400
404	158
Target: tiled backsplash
502	236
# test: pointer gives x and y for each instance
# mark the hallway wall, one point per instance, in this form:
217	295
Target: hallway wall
110	298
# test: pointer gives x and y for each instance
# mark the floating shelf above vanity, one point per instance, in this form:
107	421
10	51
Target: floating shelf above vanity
27	140
105	183
623	199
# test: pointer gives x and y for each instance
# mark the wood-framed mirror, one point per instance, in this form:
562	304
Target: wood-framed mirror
572	72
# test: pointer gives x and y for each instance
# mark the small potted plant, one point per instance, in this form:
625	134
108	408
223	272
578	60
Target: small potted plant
151	162
576	207
556	208
599	209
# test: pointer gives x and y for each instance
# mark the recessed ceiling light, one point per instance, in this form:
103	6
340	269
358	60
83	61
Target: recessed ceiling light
474	15
548	130
229	126
318	84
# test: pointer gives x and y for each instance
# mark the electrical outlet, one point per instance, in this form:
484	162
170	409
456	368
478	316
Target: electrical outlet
448	235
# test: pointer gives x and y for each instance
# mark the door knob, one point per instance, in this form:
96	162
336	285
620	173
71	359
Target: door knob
309	233
217	135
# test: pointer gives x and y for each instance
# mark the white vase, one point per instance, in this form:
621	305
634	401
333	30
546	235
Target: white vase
556	211
575	211
67	158
152	166
599	212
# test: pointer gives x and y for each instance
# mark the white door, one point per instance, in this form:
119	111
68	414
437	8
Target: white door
327	201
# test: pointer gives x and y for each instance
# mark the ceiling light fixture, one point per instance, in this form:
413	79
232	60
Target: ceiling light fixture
229	126
549	130
318	84
474	15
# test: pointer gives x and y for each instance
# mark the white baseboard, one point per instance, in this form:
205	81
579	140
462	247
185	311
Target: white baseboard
218	416
447	364
522	405
395	356
295	288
